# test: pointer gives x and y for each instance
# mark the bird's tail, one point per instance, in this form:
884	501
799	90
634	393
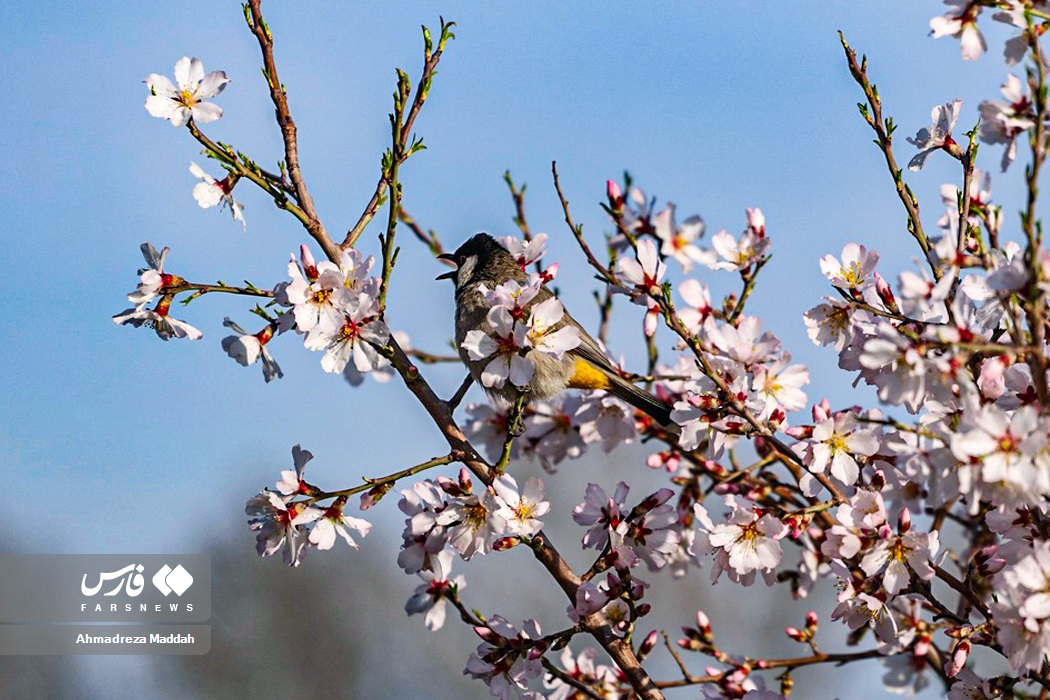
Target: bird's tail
642	400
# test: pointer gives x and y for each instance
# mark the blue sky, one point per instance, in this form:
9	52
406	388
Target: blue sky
119	442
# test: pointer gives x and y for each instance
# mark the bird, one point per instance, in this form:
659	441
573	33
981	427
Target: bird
483	261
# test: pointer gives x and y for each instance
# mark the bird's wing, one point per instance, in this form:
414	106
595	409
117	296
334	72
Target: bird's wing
589	348
592	352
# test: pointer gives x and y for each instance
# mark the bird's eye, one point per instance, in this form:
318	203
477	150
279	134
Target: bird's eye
460	259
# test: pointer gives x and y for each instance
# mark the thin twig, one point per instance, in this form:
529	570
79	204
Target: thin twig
279	96
432	57
428	238
686	676
454	402
567	679
371	483
838	659
1036	308
872	113
577	231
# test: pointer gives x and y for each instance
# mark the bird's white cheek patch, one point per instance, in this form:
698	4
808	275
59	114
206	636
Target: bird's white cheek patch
466	270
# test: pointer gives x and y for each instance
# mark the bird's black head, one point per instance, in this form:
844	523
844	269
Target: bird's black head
480	258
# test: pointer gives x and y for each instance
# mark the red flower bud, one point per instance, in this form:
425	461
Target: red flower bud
614	195
648	644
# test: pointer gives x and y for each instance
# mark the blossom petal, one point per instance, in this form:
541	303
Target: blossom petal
204	112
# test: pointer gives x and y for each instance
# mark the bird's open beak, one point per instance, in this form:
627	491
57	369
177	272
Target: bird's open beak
451	274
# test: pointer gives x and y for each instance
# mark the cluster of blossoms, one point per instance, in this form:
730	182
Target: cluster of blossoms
959	345
1002	121
287	520
336	308
556	429
961	22
980	440
659	233
182	102
449	512
156	284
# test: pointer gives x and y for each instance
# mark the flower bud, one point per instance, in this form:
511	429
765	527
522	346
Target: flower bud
464	480
756	222
800	432
714	468
922	646
822	410
796	634
548	275
637	591
885	292
878	480
448	486
614	195
309	264
988	563
776	419
644	609
811	621
726	489
375	494
648	644
904	521
505	543
487	635
704	625
957	660
655	499
651	320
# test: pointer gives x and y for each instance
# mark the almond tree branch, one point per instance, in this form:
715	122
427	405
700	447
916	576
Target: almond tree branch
397	149
518	195
750	278
605	274
371	483
432	56
244	167
963	590
818	658
872	113
253	15
428	238
782	451
543	549
1036	308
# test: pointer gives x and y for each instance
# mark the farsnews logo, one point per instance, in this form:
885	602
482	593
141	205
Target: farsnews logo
130	580
169	580
130	577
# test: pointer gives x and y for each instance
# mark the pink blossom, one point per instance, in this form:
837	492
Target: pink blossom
179	103
938	135
856	270
961	23
430	597
645	272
